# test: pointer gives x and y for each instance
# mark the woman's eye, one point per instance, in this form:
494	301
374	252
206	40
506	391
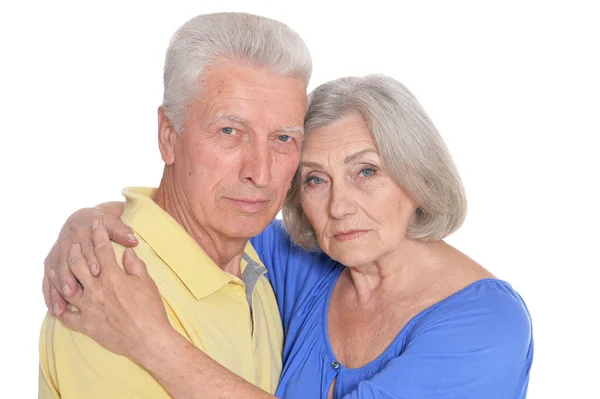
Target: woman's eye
285	138
314	180
228	130
366	172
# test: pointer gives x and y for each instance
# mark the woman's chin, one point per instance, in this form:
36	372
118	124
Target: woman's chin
352	259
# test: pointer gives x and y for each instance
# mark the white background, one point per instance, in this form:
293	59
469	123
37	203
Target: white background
513	87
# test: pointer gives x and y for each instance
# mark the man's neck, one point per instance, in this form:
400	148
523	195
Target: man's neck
226	252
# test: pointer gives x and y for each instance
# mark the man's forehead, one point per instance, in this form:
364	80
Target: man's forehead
247	77
253	97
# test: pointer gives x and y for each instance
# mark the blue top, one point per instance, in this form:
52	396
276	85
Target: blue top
475	344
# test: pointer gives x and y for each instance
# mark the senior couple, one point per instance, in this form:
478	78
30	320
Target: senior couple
354	295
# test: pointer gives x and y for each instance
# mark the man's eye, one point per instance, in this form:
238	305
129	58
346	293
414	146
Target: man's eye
228	130
314	180
285	138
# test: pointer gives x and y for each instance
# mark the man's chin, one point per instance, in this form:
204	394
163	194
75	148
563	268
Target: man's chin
245	226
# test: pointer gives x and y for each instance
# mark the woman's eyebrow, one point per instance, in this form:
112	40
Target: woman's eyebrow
315	165
358	154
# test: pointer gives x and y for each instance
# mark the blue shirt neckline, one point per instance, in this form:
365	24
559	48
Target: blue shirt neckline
376	362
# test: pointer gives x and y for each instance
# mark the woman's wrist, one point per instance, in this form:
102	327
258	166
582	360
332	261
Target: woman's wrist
157	348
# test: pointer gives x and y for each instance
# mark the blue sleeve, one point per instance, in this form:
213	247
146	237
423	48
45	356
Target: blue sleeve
478	346
292	271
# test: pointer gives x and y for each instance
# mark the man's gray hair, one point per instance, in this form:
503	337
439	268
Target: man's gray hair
410	147
230	36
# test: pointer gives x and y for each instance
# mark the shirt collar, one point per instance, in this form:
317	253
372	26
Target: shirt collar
169	240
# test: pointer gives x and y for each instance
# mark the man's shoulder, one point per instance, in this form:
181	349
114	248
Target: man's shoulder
155	265
100	373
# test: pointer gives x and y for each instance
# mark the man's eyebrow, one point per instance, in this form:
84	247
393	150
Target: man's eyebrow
246	122
291	129
232	118
358	154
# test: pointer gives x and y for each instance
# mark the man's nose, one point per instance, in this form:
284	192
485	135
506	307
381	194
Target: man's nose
257	163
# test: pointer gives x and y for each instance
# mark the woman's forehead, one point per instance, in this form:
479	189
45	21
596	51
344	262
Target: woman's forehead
347	134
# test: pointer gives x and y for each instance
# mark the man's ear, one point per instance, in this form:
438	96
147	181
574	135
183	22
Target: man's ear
166	137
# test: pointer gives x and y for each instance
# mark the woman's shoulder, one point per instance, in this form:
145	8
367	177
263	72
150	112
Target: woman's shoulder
489	290
468	284
488	305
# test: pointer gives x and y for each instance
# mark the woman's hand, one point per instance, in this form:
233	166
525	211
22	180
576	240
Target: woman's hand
121	309
59	284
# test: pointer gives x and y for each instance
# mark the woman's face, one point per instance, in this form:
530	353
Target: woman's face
357	210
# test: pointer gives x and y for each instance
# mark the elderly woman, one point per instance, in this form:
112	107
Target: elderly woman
374	303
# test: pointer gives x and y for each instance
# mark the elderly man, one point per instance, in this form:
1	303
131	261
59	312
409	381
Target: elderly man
229	132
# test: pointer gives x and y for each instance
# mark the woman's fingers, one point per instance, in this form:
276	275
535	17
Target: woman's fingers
79	268
65	282
49	273
103	249
56	260
134	266
58	303
87	249
119	232
53	299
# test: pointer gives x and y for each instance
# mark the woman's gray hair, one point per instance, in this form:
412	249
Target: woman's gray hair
236	36
410	147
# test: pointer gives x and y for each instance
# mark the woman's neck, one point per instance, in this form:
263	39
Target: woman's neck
402	272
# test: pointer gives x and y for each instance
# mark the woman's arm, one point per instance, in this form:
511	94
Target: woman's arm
59	283
122	310
186	372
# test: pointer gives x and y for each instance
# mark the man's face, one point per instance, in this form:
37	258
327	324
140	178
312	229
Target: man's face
239	148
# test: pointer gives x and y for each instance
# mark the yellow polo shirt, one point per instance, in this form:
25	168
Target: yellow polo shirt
234	321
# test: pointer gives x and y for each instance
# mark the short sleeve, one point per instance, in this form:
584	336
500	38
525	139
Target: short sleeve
47	383
292	271
75	366
477	345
